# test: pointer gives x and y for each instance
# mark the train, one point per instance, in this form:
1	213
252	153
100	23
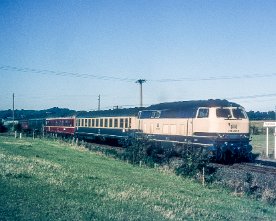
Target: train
220	127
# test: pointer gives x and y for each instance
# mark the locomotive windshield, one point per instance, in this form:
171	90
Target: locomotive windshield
223	112
236	113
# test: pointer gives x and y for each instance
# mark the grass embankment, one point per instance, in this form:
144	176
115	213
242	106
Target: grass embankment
47	180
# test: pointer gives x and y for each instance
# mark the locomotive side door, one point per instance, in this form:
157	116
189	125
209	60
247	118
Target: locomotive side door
189	131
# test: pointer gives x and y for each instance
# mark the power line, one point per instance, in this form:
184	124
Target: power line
252	96
64	73
110	78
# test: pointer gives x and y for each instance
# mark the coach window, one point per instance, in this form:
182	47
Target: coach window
105	122
78	124
203	113
110	122
126	123
85	122
115	122
93	122
101	122
82	122
129	122
97	122
89	122
121	123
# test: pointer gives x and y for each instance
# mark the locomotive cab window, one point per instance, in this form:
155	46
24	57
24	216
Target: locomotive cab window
203	113
223	113
238	113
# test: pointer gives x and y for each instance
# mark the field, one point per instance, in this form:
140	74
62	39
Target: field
259	144
51	180
259	141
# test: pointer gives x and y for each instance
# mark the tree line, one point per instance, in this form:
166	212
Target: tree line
65	112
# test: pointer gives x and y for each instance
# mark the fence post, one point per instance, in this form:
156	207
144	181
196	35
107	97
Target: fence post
203	176
15	134
275	143
267	142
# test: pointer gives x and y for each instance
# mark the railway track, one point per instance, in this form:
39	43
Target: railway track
257	167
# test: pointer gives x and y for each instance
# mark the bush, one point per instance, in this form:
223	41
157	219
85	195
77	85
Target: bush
194	159
137	150
3	129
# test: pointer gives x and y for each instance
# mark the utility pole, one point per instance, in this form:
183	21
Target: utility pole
99	102
13	127
141	81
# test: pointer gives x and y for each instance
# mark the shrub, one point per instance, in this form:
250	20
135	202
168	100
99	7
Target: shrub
194	159
3	129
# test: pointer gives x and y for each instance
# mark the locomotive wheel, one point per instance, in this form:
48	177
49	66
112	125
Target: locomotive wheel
219	155
228	158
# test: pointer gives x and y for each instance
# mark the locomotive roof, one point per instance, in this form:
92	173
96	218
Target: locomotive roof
192	104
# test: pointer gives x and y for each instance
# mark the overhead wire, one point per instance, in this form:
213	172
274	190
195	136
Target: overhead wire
111	78
104	77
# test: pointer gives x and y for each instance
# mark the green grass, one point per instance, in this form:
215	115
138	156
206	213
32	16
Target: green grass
47	180
259	143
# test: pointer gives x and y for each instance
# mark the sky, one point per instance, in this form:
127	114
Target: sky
63	53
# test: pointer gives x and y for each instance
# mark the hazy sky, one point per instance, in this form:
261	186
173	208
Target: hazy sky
65	53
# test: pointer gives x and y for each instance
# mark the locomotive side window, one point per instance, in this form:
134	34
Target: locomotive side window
155	114
223	113
203	113
129	122
238	113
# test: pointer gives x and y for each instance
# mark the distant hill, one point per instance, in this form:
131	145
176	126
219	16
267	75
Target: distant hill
31	114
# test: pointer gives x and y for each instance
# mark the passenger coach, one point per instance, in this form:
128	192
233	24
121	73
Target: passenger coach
64	126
